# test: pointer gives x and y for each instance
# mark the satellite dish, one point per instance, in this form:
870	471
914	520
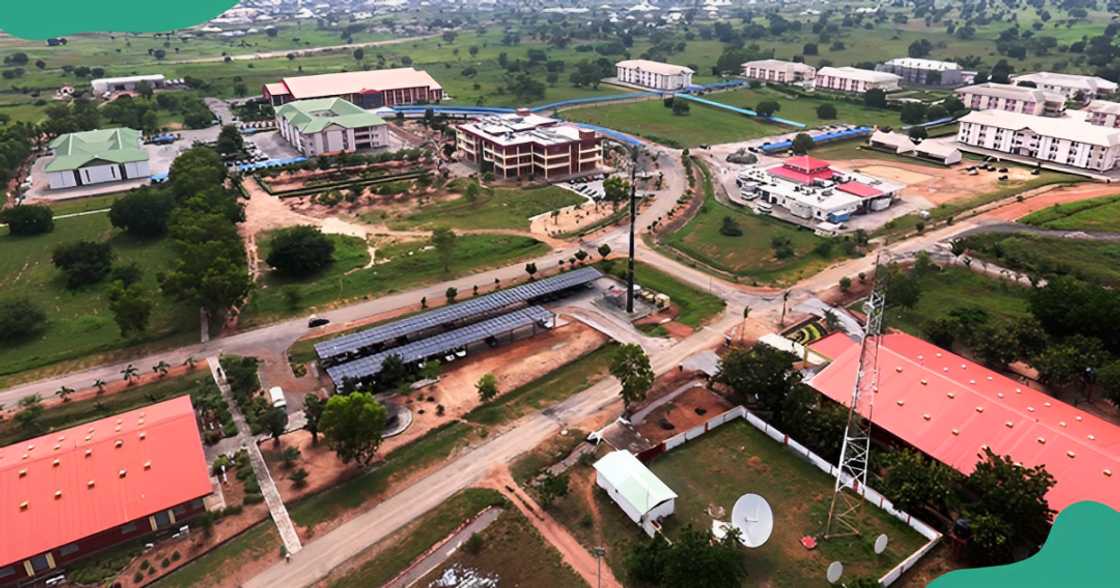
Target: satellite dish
835	569
752	516
880	543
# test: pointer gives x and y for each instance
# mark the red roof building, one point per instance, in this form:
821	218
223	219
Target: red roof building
368	89
951	408
803	169
73	492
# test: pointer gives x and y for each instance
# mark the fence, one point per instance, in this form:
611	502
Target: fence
868	494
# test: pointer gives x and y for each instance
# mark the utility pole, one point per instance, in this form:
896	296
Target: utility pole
633	221
598	552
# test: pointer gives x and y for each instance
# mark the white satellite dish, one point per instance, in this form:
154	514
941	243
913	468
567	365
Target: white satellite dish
880	543
752	516
835	570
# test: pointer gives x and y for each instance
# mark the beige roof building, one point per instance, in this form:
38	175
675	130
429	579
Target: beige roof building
1068	84
992	96
778	71
653	74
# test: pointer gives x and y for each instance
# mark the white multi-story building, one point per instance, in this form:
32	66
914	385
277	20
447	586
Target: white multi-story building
927	72
654	74
1070	85
1011	98
526	144
330	125
1103	113
853	79
1066	141
778	71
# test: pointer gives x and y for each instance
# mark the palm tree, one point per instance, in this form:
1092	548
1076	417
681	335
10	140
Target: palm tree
160	368
190	362
129	372
100	385
64	393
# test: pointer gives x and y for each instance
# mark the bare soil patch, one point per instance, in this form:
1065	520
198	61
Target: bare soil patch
936	185
692	408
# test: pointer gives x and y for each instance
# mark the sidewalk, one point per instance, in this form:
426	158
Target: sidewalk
264	478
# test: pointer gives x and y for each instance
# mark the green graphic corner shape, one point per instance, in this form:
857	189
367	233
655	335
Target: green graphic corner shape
1080	551
56	18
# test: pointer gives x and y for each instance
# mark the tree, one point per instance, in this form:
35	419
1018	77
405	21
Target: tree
694	558
913	113
298	478
911	480
551	487
444	240
580	255
276	421
129	372
131	307
917	133
195	171
451	293
1108	378
875	98
680	107
28	219
64	393
472	192
142	213
730	228
393	371
616	190
230	140
29	415
630	365
352	425
802	143
487	387
1067	363
359	54
83	262
942	331
300	251
20	319
1015	496
767	108
826	111
531	269
313	411
920	48
604	250
902	289
759	375
845	284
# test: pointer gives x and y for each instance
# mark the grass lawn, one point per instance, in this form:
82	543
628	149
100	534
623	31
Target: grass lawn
736	459
79	322
1097	214
408	543
433	447
696	306
407	265
513	553
956	288
804	110
1092	261
555	387
71	414
508	208
76	205
258	542
751	255
703	124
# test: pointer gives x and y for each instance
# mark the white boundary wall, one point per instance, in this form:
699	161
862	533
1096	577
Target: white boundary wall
869	494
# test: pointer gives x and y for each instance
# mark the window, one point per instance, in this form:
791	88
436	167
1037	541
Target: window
7	571
128	528
68	549
163	520
40	563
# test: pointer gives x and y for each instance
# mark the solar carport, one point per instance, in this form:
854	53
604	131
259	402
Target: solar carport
379	338
447	346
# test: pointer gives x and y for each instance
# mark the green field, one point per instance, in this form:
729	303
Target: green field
751	255
957	288
79	322
398	550
399	267
1097	214
735	459
79	205
508	208
804	110
1092	261
259	542
696	306
652	120
555	387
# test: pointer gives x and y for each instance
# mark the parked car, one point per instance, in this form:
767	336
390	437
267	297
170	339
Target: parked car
276	395
317	321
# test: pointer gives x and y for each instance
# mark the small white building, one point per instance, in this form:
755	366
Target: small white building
897	142
126	84
1069	85
939	151
992	96
654	74
330	125
778	71
855	80
96	157
1067	141
635	489
1103	113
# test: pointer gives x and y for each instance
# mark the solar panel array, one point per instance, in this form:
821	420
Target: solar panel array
369	366
455	312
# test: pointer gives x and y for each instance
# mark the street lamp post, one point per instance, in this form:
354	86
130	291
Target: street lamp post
633	221
599	553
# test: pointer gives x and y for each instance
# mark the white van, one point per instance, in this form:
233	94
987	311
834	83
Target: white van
276	394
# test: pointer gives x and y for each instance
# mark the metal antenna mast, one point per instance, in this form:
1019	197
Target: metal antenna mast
856	450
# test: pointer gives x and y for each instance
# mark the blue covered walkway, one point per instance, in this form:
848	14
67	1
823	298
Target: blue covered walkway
738	110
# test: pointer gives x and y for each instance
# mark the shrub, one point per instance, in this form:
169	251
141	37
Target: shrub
28	219
20	318
300	251
730	228
473	545
83	262
826	111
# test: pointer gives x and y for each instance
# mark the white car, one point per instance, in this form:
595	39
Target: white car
276	394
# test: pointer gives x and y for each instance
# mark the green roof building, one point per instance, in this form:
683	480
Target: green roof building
330	125
94	157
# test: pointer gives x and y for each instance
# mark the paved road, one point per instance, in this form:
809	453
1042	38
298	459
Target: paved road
445	550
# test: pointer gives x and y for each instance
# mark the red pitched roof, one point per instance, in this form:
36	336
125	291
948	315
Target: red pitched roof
950	407
832	346
160	454
792	175
806	162
859	189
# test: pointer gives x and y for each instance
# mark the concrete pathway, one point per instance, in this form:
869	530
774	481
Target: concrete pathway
444	550
264	478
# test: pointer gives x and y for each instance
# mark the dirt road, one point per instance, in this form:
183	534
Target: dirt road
300	52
